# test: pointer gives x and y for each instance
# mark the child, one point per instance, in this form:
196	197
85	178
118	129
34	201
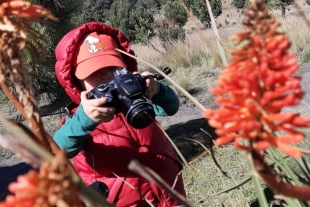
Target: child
100	142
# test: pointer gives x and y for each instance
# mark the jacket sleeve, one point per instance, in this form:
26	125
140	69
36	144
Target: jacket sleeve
165	101
75	132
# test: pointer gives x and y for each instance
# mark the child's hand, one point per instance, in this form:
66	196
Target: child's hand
151	85
95	110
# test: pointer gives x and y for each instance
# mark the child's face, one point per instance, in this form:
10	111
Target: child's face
104	75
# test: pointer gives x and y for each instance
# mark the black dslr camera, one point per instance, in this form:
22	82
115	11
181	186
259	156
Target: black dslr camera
126	93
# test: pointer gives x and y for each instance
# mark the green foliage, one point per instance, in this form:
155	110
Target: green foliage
64	11
133	18
119	16
279	4
308	2
175	13
44	79
239	4
154	5
143	16
169	27
93	10
200	10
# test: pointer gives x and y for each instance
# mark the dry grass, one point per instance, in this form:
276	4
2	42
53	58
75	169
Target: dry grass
191	59
213	181
298	33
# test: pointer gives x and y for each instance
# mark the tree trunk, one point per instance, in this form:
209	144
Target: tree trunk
283	11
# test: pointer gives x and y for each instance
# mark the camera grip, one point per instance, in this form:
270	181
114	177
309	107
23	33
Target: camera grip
166	70
102	91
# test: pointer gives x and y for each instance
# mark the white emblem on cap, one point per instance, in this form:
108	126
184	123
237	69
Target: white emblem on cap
92	40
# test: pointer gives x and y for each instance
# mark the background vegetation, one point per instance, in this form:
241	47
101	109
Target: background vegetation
144	22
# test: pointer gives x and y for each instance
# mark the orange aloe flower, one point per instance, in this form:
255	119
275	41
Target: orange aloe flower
16	26
24	9
51	186
255	86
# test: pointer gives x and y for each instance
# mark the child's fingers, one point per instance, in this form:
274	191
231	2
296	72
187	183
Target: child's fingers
95	109
84	96
151	87
106	110
93	102
98	102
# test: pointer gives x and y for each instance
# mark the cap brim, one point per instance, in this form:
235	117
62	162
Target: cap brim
91	65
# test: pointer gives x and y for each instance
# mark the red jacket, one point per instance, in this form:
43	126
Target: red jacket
113	144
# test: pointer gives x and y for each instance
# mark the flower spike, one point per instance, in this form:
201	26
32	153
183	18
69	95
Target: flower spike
24	9
256	85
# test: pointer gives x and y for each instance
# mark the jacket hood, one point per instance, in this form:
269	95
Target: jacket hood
67	45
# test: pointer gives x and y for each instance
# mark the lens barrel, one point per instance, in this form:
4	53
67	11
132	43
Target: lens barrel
141	115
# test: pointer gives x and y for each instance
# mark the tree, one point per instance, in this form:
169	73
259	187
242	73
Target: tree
64	10
93	10
133	18
279	4
119	16
167	33
200	10
153	5
175	13
169	26
44	79
239	4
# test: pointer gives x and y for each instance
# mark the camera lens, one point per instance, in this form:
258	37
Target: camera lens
140	116
100	187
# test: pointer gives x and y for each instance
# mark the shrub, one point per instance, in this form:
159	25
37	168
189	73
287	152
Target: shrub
239	4
175	13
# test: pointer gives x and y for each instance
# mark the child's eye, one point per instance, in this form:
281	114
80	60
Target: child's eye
113	69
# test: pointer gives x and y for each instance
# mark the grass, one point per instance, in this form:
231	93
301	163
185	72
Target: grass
300	44
193	67
190	60
210	178
236	169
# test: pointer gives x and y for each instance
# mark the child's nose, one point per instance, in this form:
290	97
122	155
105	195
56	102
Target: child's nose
111	71
106	74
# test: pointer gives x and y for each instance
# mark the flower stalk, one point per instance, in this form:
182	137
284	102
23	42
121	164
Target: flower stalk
256	85
14	24
253	89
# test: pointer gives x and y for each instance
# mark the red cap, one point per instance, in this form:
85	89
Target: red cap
95	51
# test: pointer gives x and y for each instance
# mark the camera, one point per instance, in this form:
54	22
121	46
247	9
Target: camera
101	188
126	93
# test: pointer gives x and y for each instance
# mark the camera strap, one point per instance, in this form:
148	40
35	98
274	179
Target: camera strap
70	109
